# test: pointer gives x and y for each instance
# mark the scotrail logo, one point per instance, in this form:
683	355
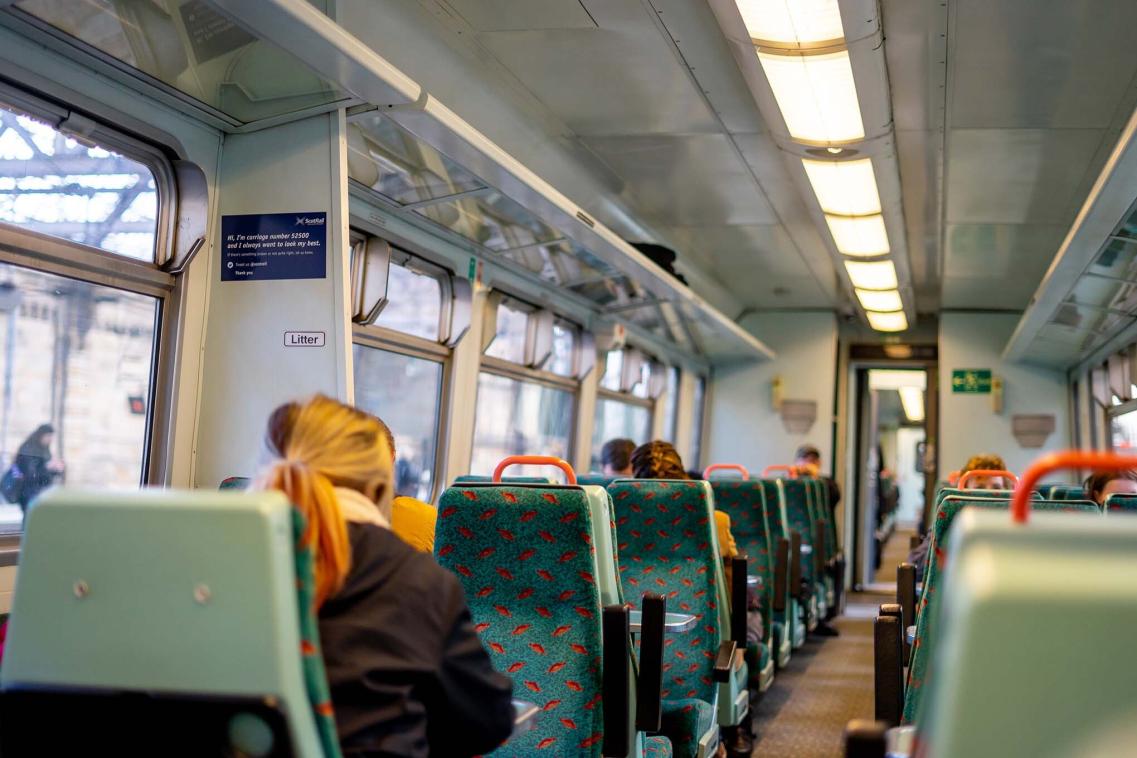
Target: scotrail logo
309	221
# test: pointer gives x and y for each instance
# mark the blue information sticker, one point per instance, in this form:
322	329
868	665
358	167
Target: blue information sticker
263	246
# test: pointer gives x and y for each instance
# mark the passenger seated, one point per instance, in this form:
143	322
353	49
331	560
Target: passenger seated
407	672
1100	486
616	457
412	520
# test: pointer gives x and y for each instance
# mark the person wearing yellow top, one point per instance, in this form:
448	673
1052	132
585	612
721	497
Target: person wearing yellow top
412	520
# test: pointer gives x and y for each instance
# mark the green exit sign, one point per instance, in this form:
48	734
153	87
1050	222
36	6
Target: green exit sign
975	381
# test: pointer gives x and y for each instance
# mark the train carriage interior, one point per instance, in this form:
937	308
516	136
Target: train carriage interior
696	378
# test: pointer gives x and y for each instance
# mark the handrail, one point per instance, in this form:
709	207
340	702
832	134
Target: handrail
534	460
953	478
985	472
726	467
791	470
1087	459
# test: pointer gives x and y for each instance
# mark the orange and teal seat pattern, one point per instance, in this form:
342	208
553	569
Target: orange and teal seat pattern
928	607
1121	504
745	502
657	747
665	545
315	678
535	603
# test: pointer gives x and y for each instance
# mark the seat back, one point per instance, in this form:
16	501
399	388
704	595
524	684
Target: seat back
1067	492
796	498
598	480
927	609
745	502
234	483
529	563
182	593
1121	504
1033	656
482	479
667	544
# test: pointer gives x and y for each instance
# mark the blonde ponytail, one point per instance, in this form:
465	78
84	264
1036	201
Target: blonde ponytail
320	445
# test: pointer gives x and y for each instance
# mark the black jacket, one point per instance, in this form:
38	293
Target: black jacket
31	460
407	672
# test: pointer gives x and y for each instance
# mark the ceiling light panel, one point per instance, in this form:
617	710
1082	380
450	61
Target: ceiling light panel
816	95
846	188
792	22
878	275
884	300
859	235
912	399
887	322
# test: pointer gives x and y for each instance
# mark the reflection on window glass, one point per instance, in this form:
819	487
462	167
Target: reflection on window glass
671	408
613	367
509	342
405	393
414	303
51	184
77	357
618	419
1123	431
564	340
515	418
643	386
697	423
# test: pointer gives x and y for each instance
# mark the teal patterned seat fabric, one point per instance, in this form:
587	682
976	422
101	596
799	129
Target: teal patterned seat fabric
315	678
657	747
745	502
597	479
776	521
483	479
1067	492
234	483
667	545
928	607
534	599
1121	504
797	511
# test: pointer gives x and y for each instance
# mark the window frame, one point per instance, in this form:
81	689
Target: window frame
50	254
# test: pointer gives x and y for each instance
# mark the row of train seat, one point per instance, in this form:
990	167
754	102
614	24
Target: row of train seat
1021	646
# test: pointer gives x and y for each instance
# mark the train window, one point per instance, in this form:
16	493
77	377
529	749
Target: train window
78	359
515	417
563	360
512	333
53	184
406	392
613	368
414	302
671	405
617	418
700	407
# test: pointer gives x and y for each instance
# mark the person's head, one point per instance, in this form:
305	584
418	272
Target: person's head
317	445
657	460
985	462
42	436
1100	486
616	457
808	455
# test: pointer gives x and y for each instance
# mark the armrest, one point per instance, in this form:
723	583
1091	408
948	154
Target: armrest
820	557
738	569
906	597
795	561
888	669
724	661
648	700
865	739
914	541
615	632
781	573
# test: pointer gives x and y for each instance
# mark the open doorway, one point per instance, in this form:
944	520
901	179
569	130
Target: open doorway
890	465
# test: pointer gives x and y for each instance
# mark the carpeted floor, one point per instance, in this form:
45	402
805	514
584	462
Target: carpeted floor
828	682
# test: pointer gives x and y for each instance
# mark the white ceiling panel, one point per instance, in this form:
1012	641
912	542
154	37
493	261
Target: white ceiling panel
605	81
1003	250
1031	64
519	15
989	292
695	180
1016	176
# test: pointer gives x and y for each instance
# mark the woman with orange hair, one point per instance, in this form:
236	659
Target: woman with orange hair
407	672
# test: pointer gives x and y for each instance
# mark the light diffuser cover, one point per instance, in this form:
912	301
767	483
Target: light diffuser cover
792	22
887	322
877	275
816	95
859	235
845	188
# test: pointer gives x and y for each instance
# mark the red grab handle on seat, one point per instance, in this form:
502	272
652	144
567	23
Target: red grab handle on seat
726	467
1088	459
791	470
985	472
534	460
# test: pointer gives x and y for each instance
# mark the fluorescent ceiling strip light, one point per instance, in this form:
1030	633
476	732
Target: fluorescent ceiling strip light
792	22
859	235
912	398
816	95
846	188
877	275
887	322
884	300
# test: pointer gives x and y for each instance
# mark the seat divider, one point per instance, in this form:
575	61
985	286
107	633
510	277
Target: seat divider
615	631
888	637
781	566
649	702
739	566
